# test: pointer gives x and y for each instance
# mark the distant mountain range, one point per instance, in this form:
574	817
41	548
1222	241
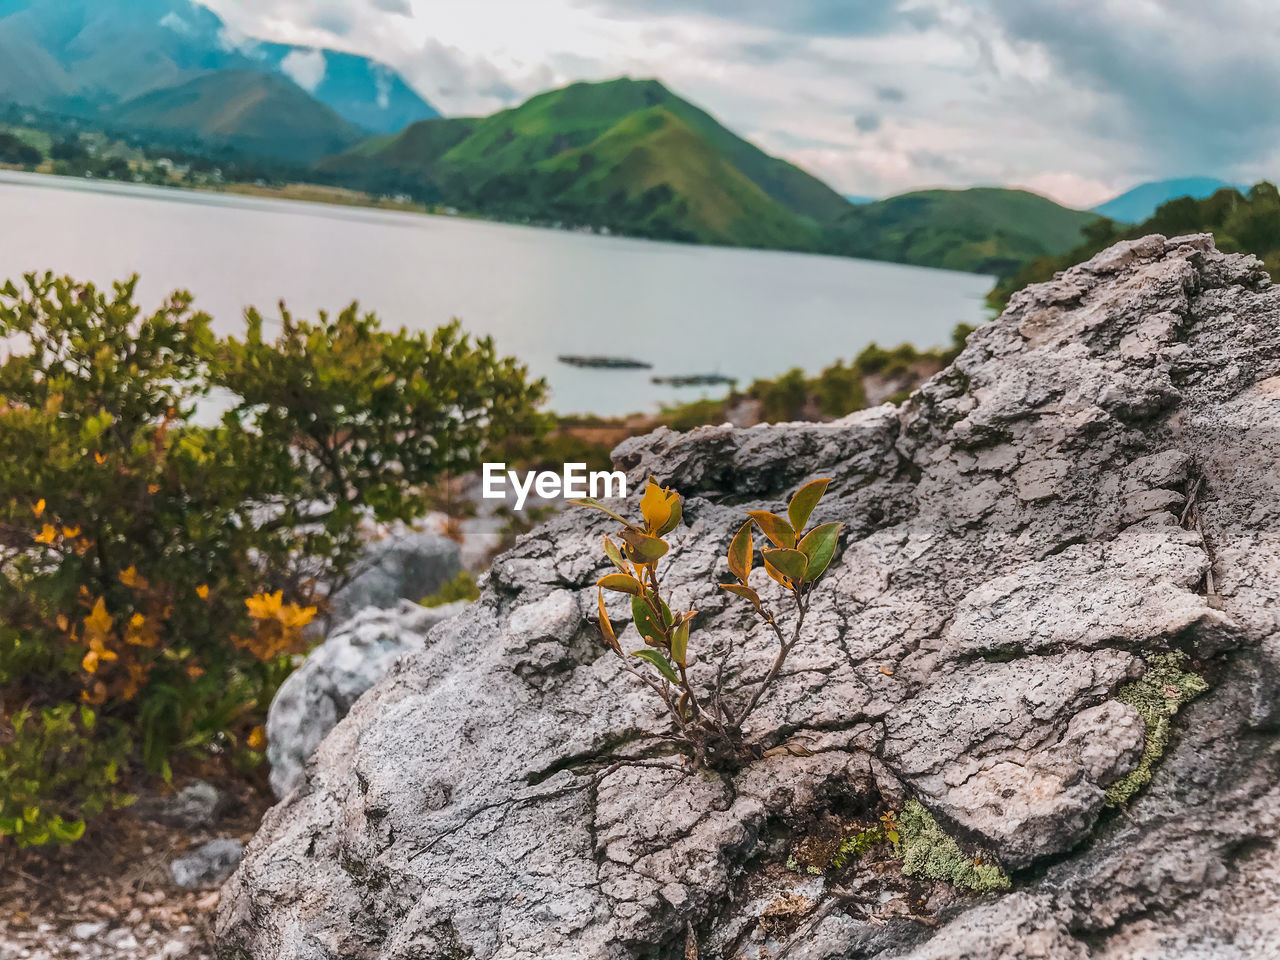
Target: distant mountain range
1140	203
93	57
624	156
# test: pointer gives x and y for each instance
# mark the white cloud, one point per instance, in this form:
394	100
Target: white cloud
306	68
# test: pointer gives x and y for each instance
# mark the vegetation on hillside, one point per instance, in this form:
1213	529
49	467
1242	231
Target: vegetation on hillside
984	229
1240	222
157	574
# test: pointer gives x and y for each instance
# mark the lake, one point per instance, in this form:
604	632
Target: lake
539	293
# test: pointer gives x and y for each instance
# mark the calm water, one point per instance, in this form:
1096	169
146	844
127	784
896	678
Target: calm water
539	293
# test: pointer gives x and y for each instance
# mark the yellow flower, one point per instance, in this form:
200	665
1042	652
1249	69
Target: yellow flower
47	535
257	738
99	621
294	617
131	579
265	606
38	509
202	591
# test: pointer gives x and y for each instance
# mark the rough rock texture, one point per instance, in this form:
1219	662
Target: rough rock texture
196	806
1094	480
321	691
406	566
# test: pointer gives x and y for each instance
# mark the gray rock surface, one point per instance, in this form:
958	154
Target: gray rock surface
208	865
320	692
400	567
195	807
1094	481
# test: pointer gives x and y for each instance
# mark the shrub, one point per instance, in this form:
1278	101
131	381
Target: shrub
709	728
461	587
160	571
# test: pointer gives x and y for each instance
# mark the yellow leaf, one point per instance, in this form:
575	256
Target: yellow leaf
606	625
887	671
63	623
741	553
47	535
90	661
131	579
202	591
153	488
293	617
265	606
99	621
257	738
71	532
38	509
775	528
99	458
195	672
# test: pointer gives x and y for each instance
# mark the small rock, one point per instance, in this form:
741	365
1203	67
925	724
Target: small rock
88	931
208	866
407	567
195	806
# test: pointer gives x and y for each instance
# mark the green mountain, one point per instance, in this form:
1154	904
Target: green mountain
81	56
626	155
983	229
1240	223
256	113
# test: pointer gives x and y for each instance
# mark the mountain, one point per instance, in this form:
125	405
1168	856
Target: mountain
982	229
257	113
1241	222
1136	205
79	56
624	154
858	199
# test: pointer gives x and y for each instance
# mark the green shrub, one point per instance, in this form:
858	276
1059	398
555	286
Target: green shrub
161	570
461	587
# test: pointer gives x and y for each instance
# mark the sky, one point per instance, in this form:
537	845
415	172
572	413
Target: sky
1075	99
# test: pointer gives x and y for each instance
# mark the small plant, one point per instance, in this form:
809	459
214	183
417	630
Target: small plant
461	587
708	727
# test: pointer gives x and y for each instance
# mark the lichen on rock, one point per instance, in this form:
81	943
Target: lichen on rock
927	851
1158	696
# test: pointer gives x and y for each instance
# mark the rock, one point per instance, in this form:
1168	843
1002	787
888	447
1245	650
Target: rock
207	866
350	661
88	931
196	806
1092	484
401	567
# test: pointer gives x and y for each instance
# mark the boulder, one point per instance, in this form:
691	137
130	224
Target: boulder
1089	493
406	566
332	678
195	807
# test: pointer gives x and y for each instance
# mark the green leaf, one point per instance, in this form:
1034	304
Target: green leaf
677	514
646	625
680	640
819	546
642	548
804	501
775	528
621	583
790	563
741	552
595	504
659	661
614	554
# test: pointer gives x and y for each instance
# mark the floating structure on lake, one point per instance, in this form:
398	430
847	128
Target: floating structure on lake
697	380
605	363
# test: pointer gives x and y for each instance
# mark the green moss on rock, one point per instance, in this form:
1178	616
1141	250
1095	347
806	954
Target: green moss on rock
927	851
1161	692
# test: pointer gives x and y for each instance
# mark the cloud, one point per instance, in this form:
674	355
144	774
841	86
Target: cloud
868	122
400	7
806	17
306	68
